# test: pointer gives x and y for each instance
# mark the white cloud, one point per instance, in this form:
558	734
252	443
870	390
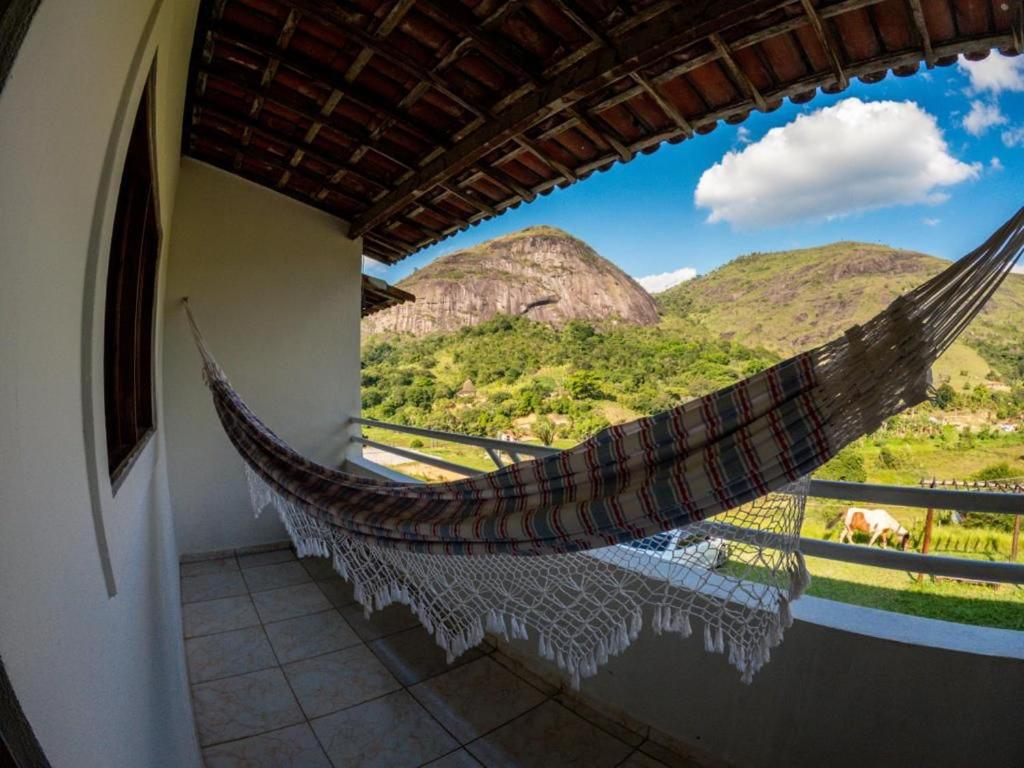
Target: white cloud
743	135
853	156
1019	269
664	281
931	222
374	267
982	117
995	74
995	164
1013	137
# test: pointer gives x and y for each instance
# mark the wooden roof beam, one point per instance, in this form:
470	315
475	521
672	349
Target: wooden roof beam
922	30
363	139
842	81
664	104
327	78
497	17
333	15
682	25
887	61
451	189
249	126
737	73
392	18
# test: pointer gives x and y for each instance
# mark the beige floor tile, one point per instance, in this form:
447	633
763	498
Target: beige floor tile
476	697
602	721
666	756
413	655
390	732
381	623
202	567
275	576
220	615
338	680
338	591
266	558
289	602
236	707
312	635
546	736
228	653
639	760
460	758
211	586
319	568
292	747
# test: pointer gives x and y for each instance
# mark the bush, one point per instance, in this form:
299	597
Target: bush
416	443
895	457
544	430
999	471
846	465
945	397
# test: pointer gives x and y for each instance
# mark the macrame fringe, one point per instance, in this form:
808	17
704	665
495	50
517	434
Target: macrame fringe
313	538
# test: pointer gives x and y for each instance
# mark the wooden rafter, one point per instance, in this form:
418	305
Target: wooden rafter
922	30
819	30
738	75
417	118
649	44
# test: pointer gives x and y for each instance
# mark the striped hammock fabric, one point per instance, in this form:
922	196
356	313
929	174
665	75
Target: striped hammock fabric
568	546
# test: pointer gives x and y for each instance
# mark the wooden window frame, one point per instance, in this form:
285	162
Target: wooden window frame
129	337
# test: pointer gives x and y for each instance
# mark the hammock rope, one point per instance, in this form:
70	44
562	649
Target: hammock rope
580	546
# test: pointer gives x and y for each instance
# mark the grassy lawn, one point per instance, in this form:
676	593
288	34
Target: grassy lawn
990	606
993	606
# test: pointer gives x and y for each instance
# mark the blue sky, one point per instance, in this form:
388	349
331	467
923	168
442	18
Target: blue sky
931	163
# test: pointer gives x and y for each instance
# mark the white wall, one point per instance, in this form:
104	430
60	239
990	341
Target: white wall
101	679
275	287
830	696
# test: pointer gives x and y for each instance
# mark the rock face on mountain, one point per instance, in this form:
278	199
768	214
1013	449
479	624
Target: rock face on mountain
541	272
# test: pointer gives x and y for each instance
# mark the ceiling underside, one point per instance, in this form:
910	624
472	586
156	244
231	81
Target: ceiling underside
412	119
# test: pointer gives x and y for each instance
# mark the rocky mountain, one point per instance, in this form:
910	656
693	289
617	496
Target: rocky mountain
541	273
794	300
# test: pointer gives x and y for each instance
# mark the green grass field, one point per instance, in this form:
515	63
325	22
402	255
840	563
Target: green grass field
967	603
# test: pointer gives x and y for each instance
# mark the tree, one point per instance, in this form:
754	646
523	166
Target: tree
945	397
583	385
544	430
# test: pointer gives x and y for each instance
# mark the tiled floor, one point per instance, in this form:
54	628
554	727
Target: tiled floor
287	673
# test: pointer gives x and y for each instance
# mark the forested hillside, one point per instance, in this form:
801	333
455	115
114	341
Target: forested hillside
497	376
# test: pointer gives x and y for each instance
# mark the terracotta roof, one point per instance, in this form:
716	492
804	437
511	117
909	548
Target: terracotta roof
378	295
413	119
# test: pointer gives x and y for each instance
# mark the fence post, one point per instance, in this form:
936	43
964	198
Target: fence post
926	544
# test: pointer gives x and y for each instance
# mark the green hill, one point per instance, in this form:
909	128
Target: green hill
794	300
500	375
579	376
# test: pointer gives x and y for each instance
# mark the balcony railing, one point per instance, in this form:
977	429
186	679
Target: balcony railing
501	452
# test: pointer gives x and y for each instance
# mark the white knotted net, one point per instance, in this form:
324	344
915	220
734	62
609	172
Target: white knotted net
736	574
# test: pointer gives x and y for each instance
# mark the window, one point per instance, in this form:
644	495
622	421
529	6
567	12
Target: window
131	291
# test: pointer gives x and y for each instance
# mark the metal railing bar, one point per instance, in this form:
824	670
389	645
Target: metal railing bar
935	565
913	496
423	458
903	496
894	559
537	451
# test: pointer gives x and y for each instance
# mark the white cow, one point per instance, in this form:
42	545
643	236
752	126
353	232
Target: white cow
876	522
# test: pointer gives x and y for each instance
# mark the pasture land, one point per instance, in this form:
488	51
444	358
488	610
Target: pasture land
967	603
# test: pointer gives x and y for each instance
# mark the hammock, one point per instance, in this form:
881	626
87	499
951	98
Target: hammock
690	513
